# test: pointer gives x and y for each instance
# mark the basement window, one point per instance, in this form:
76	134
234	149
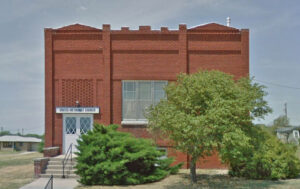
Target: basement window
137	96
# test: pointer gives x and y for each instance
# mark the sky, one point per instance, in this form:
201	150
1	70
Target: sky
274	45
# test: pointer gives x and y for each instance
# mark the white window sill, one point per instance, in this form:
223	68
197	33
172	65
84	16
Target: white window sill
134	122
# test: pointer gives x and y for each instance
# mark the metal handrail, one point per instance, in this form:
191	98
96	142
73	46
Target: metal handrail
65	161
49	182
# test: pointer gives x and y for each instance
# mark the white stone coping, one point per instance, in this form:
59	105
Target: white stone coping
42	158
51	148
134	122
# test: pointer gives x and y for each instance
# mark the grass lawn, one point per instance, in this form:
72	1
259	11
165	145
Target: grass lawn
8	152
16	169
207	179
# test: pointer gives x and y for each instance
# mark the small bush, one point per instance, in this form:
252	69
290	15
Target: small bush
41	146
261	156
109	157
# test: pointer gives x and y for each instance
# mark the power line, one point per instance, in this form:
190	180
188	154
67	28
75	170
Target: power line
276	84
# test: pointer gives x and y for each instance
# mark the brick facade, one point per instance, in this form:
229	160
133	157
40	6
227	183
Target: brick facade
51	151
40	166
88	64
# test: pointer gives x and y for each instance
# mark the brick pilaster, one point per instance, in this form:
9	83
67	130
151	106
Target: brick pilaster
245	48
49	116
183	59
107	74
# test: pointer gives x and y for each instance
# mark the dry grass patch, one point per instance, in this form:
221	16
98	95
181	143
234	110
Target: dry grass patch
207	179
15	159
16	169
16	176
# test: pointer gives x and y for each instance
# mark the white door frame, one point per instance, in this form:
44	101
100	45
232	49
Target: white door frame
64	126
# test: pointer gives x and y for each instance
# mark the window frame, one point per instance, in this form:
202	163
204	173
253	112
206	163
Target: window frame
294	133
137	121
165	149
7	144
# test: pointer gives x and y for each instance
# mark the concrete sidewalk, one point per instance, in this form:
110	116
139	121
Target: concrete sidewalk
58	183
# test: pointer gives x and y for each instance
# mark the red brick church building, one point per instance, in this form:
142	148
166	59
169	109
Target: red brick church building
111	76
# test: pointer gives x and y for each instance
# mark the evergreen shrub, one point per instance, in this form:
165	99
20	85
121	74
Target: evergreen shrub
108	157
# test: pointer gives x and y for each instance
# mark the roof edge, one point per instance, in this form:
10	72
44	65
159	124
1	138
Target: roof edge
77	27
212	27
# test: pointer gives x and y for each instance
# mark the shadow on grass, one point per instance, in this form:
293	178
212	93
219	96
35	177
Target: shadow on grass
221	181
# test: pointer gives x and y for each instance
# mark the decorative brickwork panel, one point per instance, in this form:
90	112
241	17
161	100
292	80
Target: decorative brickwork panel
77	90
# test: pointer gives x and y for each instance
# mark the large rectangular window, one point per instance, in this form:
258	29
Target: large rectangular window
7	144
138	96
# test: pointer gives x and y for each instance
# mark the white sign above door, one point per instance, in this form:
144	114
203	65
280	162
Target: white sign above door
77	110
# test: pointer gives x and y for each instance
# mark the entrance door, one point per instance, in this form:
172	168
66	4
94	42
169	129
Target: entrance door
73	126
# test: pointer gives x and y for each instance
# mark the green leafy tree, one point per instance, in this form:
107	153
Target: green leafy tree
2	133
279	122
41	144
205	108
34	135
109	157
264	127
258	154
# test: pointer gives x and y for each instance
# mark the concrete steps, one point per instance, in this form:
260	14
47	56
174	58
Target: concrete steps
59	176
60	163
60	166
55	168
60	171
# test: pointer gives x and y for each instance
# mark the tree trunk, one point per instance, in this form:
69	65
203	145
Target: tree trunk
193	170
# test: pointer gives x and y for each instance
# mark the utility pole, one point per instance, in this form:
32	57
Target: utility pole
22	132
285	112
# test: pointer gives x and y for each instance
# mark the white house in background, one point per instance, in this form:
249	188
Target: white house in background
19	143
289	134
